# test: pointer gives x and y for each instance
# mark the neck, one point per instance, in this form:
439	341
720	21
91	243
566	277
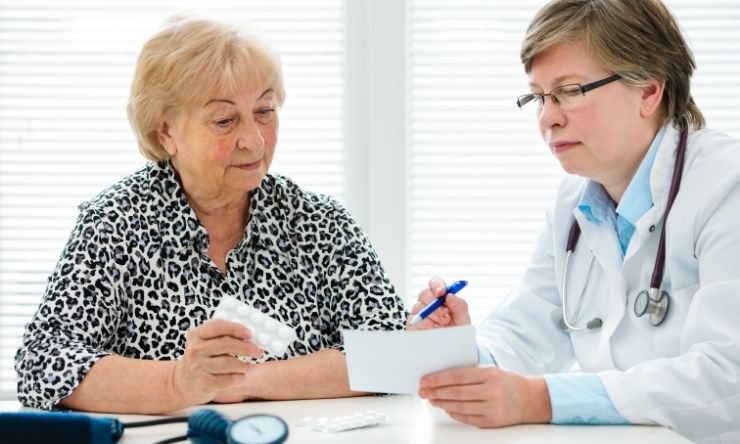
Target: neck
222	213
616	184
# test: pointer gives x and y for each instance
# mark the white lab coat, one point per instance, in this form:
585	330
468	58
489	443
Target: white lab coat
685	373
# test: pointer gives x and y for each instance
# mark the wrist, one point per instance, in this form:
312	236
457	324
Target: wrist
175	376
541	407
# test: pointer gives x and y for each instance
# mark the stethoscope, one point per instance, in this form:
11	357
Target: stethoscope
652	301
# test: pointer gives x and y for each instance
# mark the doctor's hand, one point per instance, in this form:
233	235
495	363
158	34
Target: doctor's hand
454	312
488	396
208	366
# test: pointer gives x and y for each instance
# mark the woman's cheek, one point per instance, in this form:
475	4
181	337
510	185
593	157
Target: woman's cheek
223	148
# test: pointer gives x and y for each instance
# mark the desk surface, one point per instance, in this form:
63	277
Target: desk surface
410	420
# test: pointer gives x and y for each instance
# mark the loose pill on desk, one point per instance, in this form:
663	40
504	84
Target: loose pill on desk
268	333
367	418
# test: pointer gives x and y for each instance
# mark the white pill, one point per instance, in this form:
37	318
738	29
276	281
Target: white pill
270	334
271	325
257	317
220	315
278	347
306	422
285	332
263	339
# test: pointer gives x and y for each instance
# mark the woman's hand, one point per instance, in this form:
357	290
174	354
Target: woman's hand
488	396
454	312
209	365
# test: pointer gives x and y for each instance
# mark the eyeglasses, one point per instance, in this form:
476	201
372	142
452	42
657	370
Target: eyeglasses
565	97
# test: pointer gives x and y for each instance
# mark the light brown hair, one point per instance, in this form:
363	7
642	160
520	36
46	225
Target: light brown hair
189	61
637	39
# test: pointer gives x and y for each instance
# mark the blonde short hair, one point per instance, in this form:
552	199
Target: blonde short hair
188	61
637	39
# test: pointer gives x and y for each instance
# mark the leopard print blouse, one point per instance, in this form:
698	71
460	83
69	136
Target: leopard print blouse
134	277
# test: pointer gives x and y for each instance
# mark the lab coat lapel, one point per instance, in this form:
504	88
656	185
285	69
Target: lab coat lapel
602	241
660	182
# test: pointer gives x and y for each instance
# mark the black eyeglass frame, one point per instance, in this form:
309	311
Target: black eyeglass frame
584	89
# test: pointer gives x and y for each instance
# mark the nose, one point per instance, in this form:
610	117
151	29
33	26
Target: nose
250	136
550	114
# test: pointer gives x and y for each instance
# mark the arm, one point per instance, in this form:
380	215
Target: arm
69	351
319	375
118	384
124	385
362	297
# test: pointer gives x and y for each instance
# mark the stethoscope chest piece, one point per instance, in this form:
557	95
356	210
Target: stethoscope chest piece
653	302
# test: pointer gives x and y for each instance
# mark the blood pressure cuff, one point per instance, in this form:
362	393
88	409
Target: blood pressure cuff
58	427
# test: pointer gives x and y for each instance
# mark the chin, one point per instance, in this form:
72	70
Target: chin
570	167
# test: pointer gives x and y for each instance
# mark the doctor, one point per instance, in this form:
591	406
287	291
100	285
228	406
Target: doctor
609	86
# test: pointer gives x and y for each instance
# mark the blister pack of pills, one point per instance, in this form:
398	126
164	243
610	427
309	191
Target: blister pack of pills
268	333
324	424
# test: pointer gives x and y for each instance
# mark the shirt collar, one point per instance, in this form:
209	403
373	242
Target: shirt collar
638	198
179	227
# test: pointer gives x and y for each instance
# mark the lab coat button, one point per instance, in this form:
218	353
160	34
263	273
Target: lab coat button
652	228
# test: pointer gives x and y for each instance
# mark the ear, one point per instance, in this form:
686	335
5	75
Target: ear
164	133
651	97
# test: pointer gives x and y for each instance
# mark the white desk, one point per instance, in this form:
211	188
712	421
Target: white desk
411	421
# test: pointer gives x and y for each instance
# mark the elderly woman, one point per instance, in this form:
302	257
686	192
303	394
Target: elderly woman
646	301
125	325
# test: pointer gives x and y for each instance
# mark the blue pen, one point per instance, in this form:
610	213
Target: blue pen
452	289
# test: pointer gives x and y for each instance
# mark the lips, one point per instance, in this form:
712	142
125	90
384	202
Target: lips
248	166
562	146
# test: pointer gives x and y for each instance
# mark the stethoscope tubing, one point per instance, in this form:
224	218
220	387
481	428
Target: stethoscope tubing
658	268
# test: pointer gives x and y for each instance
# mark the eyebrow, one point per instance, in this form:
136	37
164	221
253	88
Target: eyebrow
559	79
231	102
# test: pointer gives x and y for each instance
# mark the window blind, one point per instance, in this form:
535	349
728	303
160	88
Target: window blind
65	72
479	177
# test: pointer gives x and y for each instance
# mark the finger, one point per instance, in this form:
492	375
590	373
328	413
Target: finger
471	392
437	286
441	315
226	365
218	327
460	407
225	345
226	381
435	289
418	306
457	309
456	376
474	420
426	297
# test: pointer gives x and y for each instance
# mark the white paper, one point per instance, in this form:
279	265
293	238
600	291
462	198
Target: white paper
395	361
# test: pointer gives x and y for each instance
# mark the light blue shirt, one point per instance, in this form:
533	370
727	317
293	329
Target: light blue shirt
580	398
637	199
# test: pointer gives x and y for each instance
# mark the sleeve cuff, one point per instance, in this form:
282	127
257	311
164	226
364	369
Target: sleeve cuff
580	398
485	357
